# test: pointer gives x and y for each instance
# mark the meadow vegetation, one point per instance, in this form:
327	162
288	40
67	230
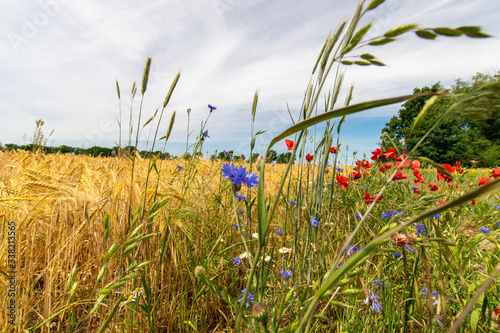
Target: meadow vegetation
395	243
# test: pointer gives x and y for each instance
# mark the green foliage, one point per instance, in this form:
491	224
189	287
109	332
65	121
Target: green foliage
474	135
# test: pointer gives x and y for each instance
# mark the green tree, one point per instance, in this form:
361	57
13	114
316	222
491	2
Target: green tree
472	133
271	156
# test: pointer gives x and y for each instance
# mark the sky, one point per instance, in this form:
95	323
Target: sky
60	59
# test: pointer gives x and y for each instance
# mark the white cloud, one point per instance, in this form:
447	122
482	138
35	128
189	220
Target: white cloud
63	69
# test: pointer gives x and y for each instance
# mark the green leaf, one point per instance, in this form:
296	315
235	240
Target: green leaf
321	317
110	316
381	41
367	56
351	292
377	63
341	305
472	31
426	34
447	32
400	30
374	4
362	63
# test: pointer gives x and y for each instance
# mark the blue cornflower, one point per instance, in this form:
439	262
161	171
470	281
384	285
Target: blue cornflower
291	202
437	216
180	167
351	250
278	232
397	255
235	225
425	292
204	135
374	301
390	213
285	274
252	180
420	228
239	175
241	212
241	197
357	216
237	261
225	152
250	297
212	108
314	222
414	188
485	230
339	169
408	247
377	282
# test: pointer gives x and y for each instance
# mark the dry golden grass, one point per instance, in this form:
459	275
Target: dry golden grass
59	202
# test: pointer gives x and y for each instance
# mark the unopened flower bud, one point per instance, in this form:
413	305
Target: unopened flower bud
259	312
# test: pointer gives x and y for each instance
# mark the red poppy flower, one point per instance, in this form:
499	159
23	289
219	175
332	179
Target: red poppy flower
473	162
433	186
362	165
355	175
343	181
333	150
484	180
290	144
473	202
369	199
399	176
459	168
406	163
399	160
391	153
375	154
443	202
442	176
385	167
415	165
495	173
420	178
497	311
417	191
309	157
